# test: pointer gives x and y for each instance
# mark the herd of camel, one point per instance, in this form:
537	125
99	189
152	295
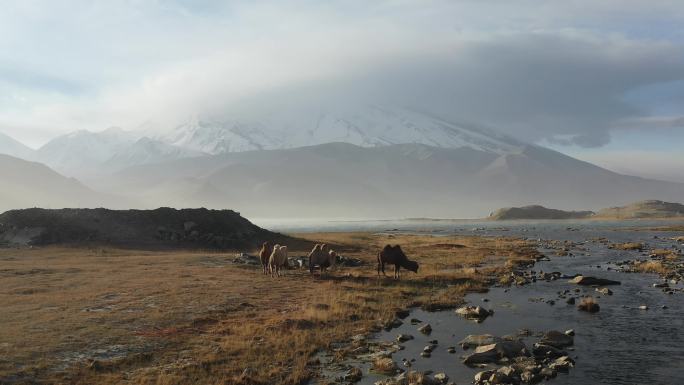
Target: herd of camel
274	258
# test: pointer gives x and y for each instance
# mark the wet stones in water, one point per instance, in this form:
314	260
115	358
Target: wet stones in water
570	301
473	341
425	329
441	378
542	351
353	375
604	290
415	321
404	337
474	313
570	332
643	307
395	323
496	352
591	281
557	339
562	364
451	350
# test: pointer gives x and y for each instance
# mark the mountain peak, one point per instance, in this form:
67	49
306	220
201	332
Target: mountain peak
366	126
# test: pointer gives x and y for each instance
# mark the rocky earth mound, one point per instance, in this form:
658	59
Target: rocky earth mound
537	212
160	228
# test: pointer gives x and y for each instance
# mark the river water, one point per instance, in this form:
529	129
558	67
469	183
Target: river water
621	344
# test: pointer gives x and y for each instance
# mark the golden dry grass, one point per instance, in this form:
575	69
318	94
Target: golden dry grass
656	267
107	316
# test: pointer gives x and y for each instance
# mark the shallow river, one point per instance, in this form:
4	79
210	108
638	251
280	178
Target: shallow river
620	344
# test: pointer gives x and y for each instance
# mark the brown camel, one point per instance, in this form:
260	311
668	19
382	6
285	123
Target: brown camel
395	256
265	254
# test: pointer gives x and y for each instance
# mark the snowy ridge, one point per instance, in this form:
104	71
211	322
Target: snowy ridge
370	126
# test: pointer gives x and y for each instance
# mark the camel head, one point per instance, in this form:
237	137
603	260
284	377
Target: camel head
411	265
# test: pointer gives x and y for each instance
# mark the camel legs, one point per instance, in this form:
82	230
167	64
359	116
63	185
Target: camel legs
381	267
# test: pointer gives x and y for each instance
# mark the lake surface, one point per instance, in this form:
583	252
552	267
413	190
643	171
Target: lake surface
621	344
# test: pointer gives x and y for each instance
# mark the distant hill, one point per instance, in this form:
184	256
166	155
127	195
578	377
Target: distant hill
537	212
26	184
160	228
644	209
11	147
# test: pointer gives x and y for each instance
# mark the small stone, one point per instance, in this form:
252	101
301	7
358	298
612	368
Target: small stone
643	307
442	378
451	350
353	375
404	337
425	329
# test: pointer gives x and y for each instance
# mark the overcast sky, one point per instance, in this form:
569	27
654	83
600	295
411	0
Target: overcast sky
599	80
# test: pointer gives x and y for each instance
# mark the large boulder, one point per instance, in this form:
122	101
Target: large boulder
547	351
591	281
557	339
562	364
473	341
496	352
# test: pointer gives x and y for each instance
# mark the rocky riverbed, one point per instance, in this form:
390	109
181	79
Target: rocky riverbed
531	327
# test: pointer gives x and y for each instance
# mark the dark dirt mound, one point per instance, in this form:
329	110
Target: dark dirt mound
160	228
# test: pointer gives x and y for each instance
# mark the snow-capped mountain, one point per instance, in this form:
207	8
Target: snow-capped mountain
367	126
146	150
12	147
83	152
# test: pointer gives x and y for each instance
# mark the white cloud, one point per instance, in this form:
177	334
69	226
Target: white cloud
551	70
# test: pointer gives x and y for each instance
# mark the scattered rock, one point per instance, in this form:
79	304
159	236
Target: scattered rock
473	341
557	339
547	351
353	375
425	329
475	313
404	337
442	378
604	290
562	364
393	324
590	281
495	352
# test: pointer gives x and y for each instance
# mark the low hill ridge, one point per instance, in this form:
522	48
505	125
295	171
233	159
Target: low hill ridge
644	209
159	228
537	212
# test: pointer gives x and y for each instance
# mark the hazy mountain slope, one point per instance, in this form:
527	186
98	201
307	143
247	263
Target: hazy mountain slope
31	184
11	147
344	180
84	152
146	150
367	126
